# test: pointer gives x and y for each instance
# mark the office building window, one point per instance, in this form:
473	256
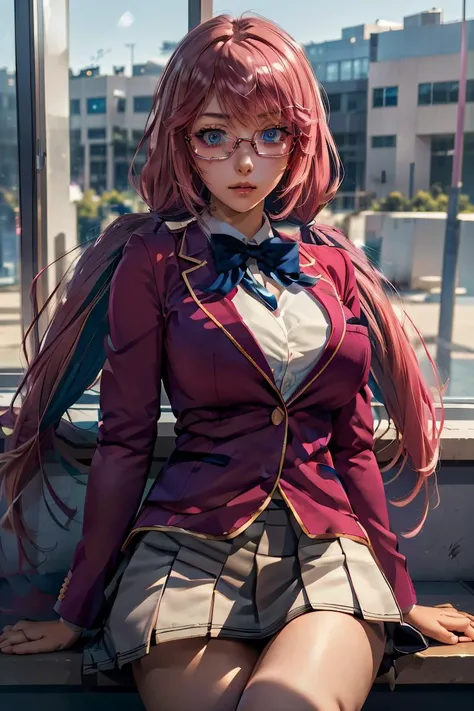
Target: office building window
332	71
142	104
470	90
319	70
334	102
445	92
385	96
360	68
121	182
96	133
98	150
346	70
356	101
384	141
75	107
355	139
97	105
121	105
120	142
425	94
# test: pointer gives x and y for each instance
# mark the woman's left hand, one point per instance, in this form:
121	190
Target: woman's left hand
440	623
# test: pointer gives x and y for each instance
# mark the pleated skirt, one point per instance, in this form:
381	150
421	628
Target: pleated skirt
174	585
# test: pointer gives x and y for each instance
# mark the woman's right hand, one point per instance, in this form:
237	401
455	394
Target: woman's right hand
26	637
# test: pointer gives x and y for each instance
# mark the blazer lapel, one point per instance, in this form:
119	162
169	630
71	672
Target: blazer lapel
220	310
325	293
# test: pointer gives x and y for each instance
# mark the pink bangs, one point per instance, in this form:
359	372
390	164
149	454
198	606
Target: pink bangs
252	67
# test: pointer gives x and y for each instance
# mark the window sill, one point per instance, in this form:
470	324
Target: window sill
457	441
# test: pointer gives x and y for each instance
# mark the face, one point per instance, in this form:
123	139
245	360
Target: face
244	167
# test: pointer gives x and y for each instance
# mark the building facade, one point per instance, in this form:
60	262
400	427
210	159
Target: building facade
107	119
342	67
412	106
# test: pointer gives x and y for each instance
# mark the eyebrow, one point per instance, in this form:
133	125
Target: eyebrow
227	117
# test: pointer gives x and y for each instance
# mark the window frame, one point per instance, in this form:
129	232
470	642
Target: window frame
29	36
381	93
382	140
89	101
140	98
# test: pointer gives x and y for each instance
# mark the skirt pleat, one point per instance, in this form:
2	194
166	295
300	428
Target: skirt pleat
174	585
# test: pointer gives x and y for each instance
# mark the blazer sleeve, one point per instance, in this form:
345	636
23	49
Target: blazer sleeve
351	446
130	409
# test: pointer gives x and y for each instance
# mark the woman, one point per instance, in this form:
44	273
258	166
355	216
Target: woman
260	569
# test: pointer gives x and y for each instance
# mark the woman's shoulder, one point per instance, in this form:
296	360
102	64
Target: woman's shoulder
326	244
158	237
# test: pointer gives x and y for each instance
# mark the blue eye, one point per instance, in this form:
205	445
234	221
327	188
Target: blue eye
212	137
272	135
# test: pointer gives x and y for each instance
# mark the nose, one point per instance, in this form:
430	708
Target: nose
243	159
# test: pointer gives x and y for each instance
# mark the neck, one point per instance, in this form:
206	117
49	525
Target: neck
248	223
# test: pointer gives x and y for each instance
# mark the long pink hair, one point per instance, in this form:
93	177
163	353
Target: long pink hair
251	66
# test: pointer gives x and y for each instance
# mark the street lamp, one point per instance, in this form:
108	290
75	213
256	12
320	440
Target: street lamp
451	238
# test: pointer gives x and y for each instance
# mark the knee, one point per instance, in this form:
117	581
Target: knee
281	697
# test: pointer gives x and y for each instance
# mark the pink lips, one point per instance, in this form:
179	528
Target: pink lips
242	188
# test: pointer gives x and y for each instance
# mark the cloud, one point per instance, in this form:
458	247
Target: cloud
126	20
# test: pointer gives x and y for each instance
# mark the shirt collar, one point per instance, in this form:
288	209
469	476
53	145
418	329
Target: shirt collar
212	225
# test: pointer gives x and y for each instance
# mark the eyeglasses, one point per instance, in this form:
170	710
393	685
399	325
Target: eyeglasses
217	144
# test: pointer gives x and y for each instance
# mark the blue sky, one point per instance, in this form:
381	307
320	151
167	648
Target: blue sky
109	24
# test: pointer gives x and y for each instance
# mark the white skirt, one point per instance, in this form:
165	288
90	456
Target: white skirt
174	585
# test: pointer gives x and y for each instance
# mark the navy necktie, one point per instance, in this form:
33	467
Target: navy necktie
278	259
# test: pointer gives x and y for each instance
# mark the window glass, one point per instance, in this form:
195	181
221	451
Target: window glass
332	71
10	305
75	107
391	96
425	94
97	105
142	104
378	99
445	92
346	70
96	133
384	141
357	68
470	90
334	102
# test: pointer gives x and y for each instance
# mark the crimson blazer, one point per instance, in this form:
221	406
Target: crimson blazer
237	440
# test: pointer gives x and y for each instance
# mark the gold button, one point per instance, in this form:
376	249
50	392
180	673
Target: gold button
278	416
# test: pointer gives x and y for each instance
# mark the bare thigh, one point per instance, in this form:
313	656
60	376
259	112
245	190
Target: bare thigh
194	674
320	661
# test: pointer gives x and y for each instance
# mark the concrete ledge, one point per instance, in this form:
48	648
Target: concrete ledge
438	665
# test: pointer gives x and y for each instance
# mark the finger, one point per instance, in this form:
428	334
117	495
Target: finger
13	638
7	627
40	645
453	614
456	625
6	650
465	639
467	631
21	624
443	635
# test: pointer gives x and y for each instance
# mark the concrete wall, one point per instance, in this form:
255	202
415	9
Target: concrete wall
412	246
412	124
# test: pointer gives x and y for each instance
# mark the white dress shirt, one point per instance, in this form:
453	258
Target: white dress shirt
292	337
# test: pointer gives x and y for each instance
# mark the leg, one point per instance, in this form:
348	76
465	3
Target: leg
194	674
320	661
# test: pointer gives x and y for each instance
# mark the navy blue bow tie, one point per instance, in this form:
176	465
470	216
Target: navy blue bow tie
276	258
